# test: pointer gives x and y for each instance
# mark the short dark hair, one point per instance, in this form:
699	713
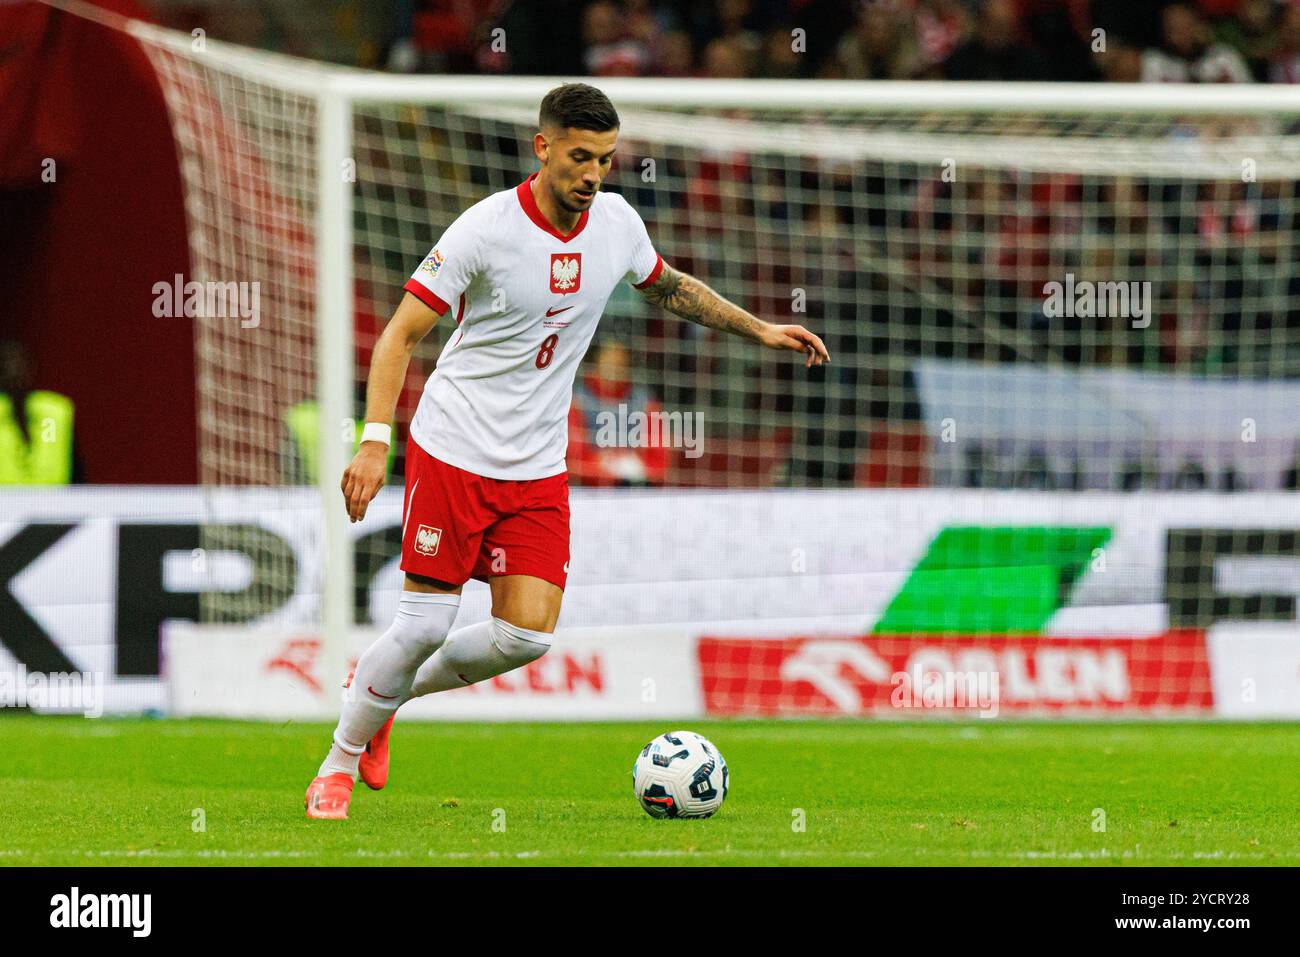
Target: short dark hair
578	106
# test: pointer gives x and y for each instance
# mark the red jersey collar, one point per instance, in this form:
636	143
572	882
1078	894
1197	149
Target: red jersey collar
529	202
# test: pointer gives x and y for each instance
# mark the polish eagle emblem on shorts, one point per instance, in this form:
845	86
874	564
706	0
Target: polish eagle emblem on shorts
566	272
427	539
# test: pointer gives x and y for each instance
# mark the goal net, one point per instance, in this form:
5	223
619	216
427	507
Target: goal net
1070	290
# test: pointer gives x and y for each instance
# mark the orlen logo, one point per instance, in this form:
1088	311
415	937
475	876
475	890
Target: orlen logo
557	673
837	669
852	675
298	657
427	539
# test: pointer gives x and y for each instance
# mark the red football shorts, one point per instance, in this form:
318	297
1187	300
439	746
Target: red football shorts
457	525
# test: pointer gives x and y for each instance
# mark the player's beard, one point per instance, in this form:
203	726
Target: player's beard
562	200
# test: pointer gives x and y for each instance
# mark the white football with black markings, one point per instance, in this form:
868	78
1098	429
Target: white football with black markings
680	774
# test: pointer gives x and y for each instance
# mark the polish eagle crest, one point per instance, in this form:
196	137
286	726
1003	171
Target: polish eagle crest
565	272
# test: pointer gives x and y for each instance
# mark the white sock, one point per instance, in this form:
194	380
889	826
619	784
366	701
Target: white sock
386	671
339	761
478	652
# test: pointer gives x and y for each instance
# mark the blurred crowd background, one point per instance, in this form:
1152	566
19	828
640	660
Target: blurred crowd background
1196	41
900	265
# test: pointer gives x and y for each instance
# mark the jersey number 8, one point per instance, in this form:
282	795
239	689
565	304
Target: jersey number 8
547	351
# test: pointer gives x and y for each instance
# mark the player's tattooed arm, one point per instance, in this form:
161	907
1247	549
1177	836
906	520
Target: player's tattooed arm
684	295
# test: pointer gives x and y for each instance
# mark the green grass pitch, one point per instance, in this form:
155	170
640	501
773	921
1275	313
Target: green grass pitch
134	791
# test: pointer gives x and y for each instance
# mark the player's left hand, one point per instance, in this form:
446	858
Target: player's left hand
798	339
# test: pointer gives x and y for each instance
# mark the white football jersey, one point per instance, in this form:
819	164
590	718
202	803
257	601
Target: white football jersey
526	300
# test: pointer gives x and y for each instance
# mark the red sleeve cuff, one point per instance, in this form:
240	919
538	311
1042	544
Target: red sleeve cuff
421	292
654	273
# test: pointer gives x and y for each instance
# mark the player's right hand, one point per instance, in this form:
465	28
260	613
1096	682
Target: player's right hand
363	479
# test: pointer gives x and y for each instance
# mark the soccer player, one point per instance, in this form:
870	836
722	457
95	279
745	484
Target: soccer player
525	274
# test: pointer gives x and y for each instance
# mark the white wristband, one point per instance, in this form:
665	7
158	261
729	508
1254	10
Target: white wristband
377	432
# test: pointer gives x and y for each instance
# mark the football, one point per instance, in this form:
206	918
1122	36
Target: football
680	774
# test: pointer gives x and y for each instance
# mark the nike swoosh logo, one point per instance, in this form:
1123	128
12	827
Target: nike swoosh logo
556	312
386	697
